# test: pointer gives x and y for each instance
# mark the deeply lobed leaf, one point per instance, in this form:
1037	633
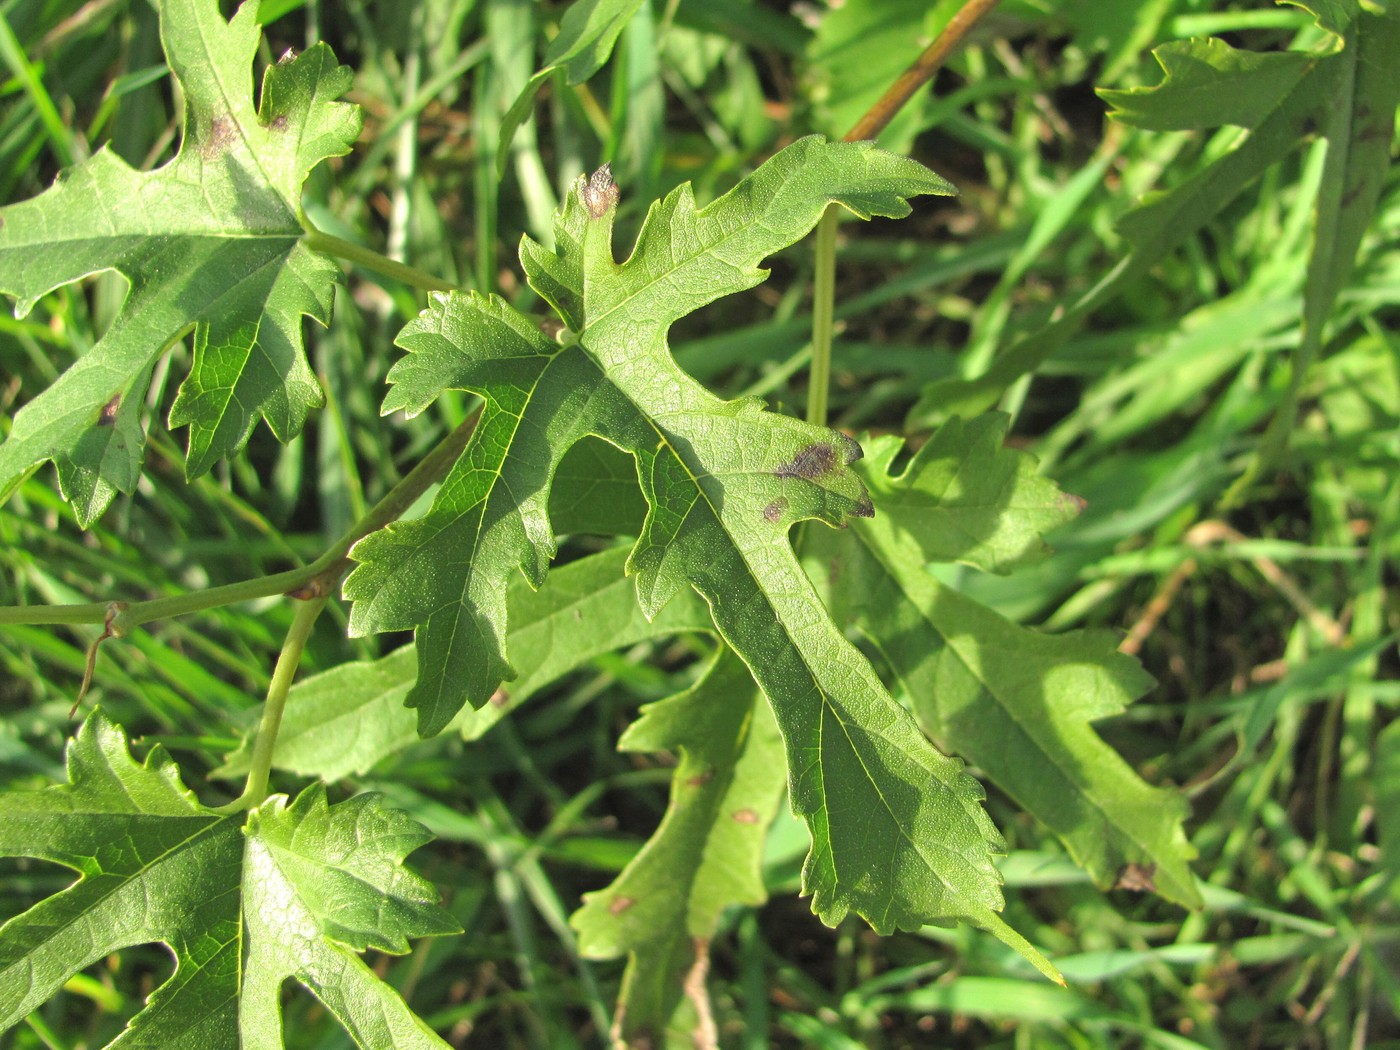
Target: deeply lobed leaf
899	835
1016	703
614	377
665	907
210	241
293	893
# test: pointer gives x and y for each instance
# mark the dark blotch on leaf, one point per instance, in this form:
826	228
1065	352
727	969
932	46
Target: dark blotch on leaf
221	133
599	193
108	416
865	508
279	123
774	511
821	458
811	463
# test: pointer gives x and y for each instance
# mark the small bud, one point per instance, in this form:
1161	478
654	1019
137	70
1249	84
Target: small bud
599	193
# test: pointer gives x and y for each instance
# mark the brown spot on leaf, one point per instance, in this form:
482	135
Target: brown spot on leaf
701	779
621	904
745	816
864	508
811	463
1140	878
279	123
108	416
499	698
221	134
599	194
774	511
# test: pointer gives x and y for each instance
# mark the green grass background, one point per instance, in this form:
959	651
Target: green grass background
1269	622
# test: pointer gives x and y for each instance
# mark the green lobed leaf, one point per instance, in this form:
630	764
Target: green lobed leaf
293	893
899	835
964	497
1206	84
211	241
1017	704
664	908
320	884
445	573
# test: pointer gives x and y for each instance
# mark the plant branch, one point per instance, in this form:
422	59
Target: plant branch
370	259
877	118
320	577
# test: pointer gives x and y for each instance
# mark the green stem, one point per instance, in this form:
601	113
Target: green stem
823	322
255	791
328	244
875	120
319	577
